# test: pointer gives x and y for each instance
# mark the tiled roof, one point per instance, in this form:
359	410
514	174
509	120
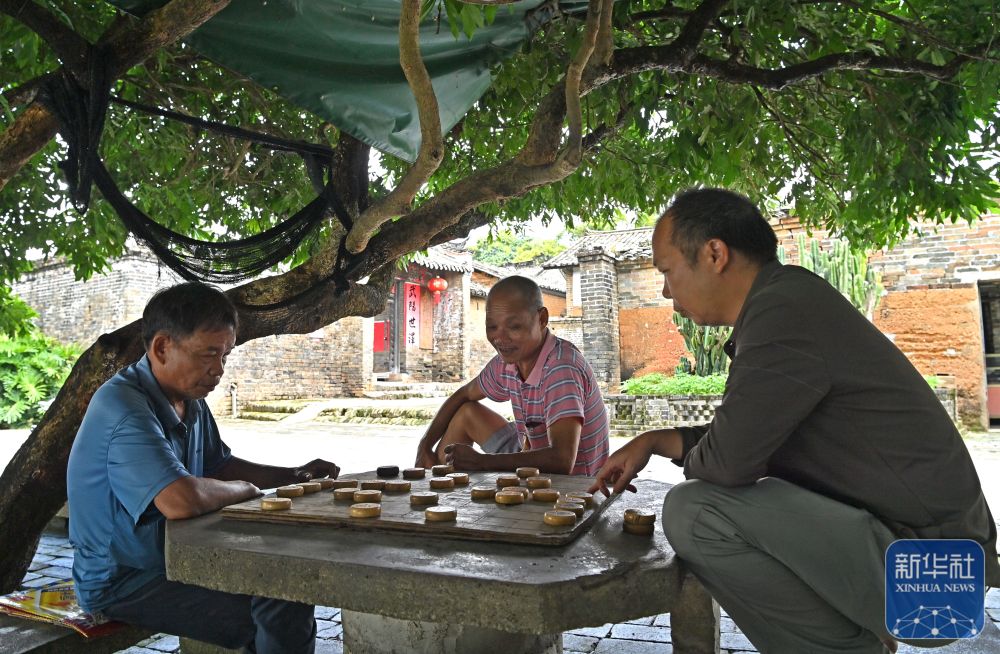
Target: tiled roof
478	290
442	257
623	244
447	257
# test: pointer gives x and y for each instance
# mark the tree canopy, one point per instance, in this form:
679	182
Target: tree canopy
505	248
859	115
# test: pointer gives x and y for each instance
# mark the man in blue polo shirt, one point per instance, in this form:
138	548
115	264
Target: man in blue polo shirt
149	450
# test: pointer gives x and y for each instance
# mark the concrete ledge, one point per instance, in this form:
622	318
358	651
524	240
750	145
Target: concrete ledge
21	636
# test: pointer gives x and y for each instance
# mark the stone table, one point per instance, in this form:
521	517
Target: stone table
424	594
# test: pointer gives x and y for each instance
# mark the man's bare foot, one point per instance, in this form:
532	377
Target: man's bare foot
891	644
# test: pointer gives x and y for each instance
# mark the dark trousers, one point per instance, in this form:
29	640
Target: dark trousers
259	625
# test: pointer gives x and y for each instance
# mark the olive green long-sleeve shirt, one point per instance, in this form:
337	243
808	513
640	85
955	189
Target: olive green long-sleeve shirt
819	397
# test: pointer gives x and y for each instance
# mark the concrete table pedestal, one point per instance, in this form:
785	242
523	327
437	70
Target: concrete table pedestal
367	633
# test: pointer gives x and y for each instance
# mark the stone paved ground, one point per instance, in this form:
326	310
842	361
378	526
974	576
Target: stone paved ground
650	635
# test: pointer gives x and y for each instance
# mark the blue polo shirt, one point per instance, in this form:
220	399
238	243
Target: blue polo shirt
130	446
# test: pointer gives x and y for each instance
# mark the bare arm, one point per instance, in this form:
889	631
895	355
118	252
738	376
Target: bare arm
559	458
265	476
624	465
471	392
189	497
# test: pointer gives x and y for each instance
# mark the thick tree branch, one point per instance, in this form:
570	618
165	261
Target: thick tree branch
128	43
431	152
571	153
26	92
70	47
629	61
685	46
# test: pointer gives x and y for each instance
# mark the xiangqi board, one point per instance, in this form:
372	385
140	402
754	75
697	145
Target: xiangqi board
475	519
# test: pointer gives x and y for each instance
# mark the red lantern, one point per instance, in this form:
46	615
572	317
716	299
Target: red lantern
437	285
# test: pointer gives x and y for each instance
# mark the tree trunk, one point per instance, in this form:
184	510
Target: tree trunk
33	486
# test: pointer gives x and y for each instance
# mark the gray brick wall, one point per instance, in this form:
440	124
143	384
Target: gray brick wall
74	311
335	360
599	298
570	329
640	285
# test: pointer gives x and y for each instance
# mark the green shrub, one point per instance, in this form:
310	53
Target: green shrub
932	380
32	369
679	384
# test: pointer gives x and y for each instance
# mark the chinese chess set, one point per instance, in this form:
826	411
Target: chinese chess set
524	507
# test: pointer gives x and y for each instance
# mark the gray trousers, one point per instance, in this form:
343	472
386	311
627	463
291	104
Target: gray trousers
798	572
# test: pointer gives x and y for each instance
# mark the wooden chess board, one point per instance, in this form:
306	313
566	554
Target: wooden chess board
476	520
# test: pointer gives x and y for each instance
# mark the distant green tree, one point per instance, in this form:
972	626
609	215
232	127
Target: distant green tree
506	248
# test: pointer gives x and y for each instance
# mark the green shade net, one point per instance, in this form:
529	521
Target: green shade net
339	59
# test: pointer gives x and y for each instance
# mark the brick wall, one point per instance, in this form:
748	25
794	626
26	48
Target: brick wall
79	312
938	329
323	364
599	298
569	328
650	341
334	361
640	285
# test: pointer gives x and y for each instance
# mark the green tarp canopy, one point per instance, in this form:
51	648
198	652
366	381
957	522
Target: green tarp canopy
339	59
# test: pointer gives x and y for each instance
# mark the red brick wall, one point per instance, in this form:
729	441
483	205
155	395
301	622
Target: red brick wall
940	332
649	340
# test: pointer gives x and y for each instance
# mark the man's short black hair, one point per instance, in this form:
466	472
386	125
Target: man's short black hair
526	289
698	215
181	310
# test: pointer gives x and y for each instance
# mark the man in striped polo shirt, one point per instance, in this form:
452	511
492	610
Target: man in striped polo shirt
560	423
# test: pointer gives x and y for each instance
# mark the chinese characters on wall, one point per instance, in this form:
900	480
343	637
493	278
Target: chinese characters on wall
411	314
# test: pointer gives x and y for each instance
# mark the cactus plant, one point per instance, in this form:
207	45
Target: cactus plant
705	345
846	269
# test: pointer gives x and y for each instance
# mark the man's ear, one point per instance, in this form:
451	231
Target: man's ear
158	347
543	317
719	254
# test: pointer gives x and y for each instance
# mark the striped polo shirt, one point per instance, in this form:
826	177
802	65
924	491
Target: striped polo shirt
561	385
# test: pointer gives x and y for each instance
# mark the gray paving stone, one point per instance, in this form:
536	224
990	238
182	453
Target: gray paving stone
330	630
593	632
641	632
616	646
62	562
727	624
993	599
735	641
166	644
327	613
56	571
38	582
662	620
647	621
40	561
139	650
574	643
329	647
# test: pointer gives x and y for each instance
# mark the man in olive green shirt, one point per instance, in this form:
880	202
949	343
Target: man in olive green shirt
827	446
